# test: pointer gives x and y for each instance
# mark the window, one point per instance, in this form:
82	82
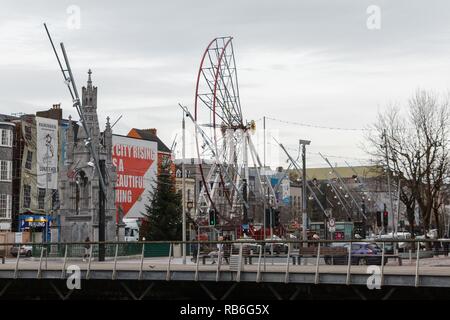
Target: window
6	137
252	185
5	170
188	194
4	141
28	132
5	206
55	200
26	196
9	206
29	160
41	198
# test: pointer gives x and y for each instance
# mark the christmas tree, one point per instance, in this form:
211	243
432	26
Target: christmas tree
163	215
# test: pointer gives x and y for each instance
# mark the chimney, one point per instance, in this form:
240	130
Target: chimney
151	130
53	113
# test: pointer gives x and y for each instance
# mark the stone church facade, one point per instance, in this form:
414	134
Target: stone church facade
79	182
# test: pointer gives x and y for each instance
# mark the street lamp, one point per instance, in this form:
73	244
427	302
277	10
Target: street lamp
304	143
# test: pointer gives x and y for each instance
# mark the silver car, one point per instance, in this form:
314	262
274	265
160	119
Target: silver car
24	250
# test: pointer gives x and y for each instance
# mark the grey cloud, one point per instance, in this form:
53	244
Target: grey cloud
313	61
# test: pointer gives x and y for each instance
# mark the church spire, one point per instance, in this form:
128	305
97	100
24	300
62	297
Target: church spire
89	82
108	124
89	106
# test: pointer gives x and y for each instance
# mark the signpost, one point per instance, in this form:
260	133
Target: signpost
339	235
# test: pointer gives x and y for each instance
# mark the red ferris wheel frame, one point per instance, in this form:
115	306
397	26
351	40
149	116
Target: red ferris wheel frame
217	74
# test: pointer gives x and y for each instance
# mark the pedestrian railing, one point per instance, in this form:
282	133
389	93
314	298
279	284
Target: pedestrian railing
315	256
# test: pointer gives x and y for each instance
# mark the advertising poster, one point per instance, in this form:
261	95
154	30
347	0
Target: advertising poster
286	190
136	166
282	189
47	153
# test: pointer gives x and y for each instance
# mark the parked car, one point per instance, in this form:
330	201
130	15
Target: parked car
363	253
278	247
24	250
388	246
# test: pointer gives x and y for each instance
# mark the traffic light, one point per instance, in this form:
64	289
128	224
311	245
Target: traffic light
212	217
385	218
276	219
268	219
379	224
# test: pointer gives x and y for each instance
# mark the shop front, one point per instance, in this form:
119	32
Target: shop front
40	227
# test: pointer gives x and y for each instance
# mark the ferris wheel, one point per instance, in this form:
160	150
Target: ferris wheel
224	138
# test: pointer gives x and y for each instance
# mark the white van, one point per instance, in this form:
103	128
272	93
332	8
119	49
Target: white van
402	246
131	230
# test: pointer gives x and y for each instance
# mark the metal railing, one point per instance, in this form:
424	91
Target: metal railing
167	255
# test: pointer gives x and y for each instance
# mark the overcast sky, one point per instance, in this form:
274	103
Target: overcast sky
313	62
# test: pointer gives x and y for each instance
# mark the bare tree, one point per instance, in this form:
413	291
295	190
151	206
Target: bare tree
417	151
430	118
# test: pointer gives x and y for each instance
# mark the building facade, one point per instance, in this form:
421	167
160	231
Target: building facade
35	200
7	130
194	181
190	187
78	180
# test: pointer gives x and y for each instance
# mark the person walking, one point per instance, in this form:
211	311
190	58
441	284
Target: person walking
87	248
315	237
227	249
445	245
217	253
194	250
436	248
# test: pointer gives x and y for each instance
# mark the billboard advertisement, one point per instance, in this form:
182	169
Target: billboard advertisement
282	189
136	163
286	190
63	145
47	153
